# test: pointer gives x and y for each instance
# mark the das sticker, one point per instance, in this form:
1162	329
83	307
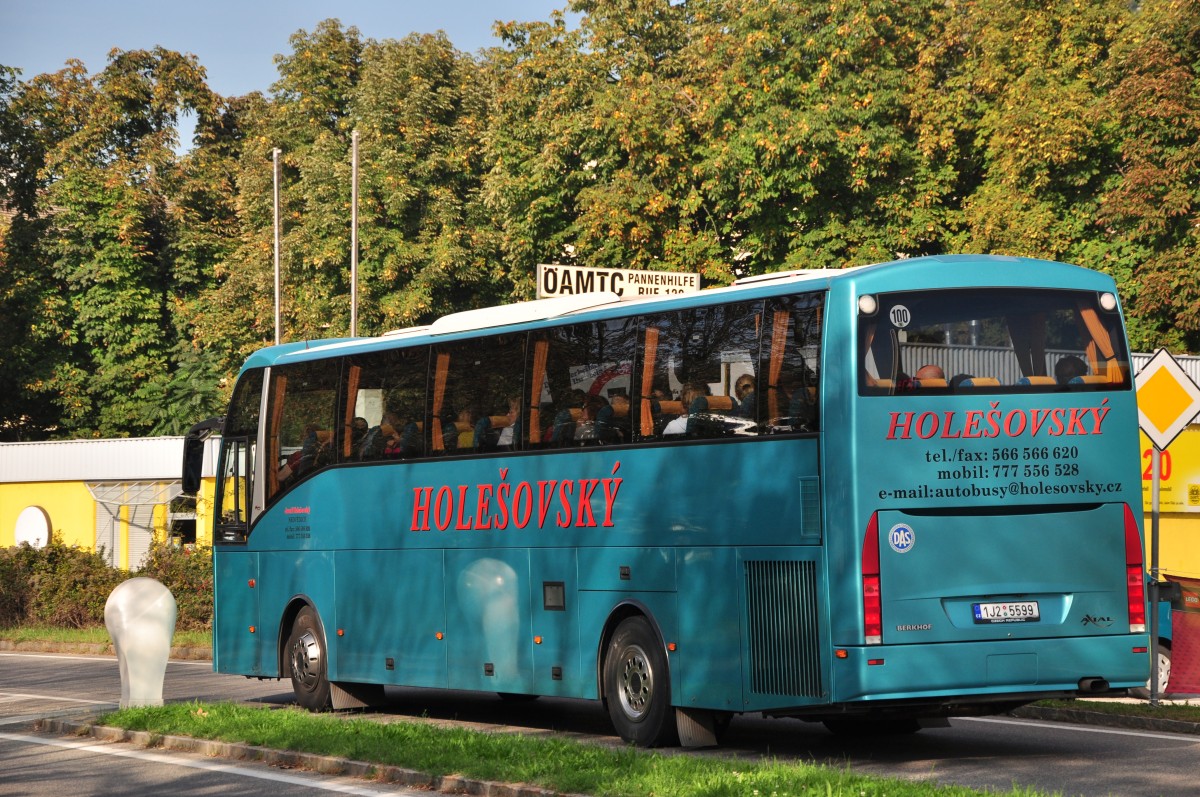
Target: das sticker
900	316
902	538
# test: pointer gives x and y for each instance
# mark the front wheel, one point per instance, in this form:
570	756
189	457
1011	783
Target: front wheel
637	685
306	662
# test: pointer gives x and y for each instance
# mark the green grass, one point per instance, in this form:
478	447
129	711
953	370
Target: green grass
91	636
560	765
1181	712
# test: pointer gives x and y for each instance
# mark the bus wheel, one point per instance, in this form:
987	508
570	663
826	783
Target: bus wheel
306	662
1164	675
637	686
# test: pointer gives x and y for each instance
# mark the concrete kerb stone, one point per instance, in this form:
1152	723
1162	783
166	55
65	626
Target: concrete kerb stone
327	765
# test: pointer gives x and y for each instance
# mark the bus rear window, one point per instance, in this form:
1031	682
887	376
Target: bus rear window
990	340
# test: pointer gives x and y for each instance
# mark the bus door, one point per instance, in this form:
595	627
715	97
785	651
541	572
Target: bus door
556	643
235	614
488	636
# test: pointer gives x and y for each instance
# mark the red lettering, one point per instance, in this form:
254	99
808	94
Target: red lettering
442	517
463	521
1075	425
503	491
904	425
932	426
611	487
523	490
483	517
544	498
586	488
421	508
949	421
564	496
973	419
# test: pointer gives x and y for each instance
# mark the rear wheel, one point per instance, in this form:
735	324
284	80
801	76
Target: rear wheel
637	685
1164	675
307	663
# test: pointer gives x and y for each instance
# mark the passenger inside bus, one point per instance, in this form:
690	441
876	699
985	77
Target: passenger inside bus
743	395
1069	368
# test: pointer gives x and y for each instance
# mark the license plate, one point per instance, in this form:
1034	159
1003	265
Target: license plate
1009	612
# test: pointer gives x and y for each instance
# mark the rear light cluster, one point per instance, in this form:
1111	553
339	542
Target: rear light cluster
1135	577
872	602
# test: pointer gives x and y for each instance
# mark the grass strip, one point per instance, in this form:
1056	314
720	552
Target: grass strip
91	636
1184	712
560	765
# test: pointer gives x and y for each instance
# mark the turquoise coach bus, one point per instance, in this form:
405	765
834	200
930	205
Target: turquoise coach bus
874	497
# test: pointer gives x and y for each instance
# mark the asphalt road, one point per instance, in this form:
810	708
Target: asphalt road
994	753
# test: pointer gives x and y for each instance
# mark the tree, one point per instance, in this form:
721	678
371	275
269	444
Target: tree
107	175
1149	212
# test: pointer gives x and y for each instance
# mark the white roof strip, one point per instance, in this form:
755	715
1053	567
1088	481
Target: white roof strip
521	312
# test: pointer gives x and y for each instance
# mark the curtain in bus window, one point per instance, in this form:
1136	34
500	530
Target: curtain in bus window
689	379
477	394
386	390
582	384
303	420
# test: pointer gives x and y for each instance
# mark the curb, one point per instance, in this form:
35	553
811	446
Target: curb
1084	717
326	765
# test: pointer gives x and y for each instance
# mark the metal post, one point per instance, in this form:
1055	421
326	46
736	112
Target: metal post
1155	468
275	157
354	235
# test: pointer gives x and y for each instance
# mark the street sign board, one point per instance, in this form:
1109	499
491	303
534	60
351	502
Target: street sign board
554	279
1167	399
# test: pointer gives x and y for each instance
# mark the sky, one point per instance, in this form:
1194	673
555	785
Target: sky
234	40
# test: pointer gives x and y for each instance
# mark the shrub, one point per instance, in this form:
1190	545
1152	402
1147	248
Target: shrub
16	588
69	586
188	573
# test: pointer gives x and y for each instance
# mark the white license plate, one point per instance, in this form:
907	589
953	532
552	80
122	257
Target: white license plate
1008	612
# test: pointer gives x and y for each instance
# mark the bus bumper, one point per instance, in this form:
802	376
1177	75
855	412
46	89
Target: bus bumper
905	672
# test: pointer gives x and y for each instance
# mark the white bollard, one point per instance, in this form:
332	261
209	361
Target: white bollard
140	617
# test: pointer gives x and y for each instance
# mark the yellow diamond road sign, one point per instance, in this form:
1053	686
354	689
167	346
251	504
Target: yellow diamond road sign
1167	399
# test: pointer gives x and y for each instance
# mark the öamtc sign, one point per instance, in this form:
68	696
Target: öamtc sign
559	280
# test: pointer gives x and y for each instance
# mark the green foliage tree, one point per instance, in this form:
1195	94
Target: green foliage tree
1149	214
717	136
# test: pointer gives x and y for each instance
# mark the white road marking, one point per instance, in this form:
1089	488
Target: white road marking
1067	726
210	766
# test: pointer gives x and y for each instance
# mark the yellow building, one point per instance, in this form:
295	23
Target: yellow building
111	495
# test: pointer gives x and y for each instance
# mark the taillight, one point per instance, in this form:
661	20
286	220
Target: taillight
1135	578
872	606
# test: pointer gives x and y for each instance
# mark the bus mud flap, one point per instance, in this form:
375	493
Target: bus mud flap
345	695
696	727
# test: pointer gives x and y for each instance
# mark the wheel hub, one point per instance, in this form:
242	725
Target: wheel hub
306	661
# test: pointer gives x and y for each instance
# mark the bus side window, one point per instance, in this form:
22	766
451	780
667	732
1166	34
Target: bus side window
387	389
691	361
473	387
579	384
301	421
791	364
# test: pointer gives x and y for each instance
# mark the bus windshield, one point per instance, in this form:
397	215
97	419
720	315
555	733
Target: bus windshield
999	340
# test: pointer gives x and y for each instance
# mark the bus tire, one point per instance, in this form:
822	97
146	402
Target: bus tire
637	685
1164	674
306	662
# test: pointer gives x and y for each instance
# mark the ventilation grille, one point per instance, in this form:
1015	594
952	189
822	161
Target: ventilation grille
781	601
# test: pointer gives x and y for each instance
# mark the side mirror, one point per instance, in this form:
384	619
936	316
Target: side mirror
193	453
